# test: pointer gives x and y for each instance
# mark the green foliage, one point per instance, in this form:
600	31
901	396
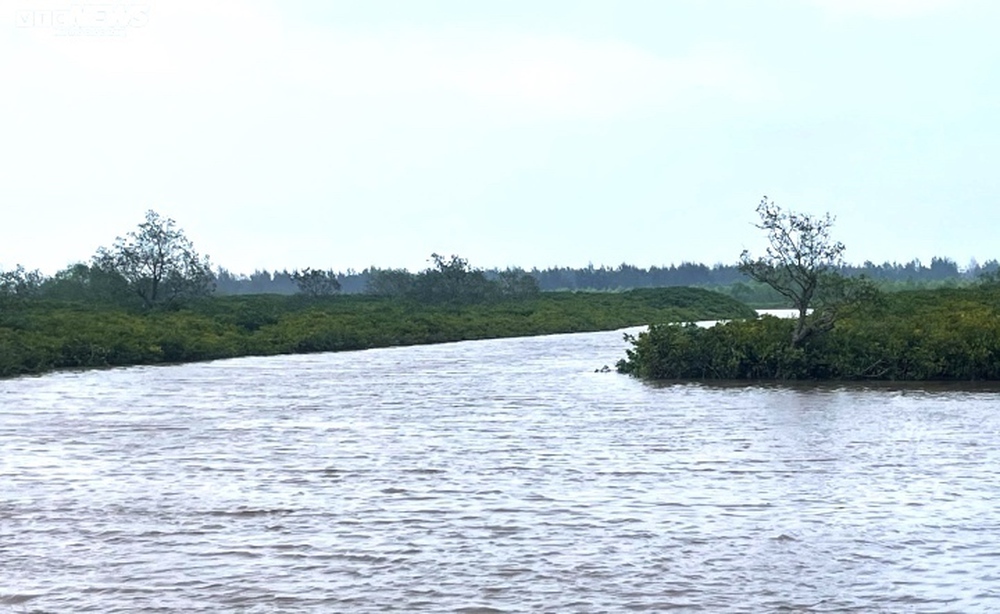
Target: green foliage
82	283
20	283
990	278
741	349
705	305
46	334
314	282
799	258
910	275
158	262
452	281
389	282
516	283
946	334
755	294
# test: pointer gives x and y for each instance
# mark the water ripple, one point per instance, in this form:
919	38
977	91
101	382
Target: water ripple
490	476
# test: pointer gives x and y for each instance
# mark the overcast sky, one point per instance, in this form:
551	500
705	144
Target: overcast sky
343	134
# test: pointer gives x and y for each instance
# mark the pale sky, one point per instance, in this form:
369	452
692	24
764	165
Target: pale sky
343	134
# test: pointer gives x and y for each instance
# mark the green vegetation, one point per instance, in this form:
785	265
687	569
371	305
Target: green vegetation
800	258
452	281
725	278
39	334
148	299
157	263
845	328
313	282
944	334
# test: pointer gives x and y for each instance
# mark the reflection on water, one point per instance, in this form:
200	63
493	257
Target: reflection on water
490	476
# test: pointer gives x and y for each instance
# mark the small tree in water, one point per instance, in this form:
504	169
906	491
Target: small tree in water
800	258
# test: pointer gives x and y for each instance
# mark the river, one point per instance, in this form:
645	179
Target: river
490	476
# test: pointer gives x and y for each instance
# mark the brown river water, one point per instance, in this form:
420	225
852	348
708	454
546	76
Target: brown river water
491	476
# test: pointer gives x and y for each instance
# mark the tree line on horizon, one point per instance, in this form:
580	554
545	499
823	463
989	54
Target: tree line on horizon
157	264
21	281
605	278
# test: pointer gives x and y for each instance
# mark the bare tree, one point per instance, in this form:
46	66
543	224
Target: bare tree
158	262
800	257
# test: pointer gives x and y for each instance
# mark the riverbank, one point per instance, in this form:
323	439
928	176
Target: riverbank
37	336
926	335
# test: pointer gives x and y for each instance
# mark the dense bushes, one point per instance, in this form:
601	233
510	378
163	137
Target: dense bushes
46	336
946	334
452	281
38	335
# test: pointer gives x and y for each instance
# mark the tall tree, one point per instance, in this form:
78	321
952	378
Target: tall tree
158	261
800	257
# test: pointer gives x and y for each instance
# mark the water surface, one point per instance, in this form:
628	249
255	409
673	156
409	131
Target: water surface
490	476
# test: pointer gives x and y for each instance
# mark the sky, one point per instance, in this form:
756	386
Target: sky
345	134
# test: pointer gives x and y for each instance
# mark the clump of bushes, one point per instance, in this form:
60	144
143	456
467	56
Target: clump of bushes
945	334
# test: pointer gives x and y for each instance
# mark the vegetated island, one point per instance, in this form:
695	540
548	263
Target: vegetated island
148	300
846	329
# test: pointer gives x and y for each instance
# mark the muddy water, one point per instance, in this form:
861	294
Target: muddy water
490	476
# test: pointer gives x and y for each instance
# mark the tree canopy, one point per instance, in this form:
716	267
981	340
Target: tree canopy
452	280
20	282
316	282
158	262
800	257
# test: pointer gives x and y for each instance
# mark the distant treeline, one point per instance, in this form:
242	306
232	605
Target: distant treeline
624	276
